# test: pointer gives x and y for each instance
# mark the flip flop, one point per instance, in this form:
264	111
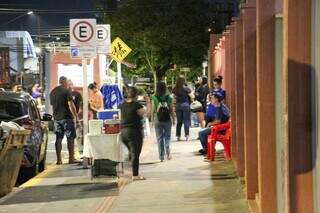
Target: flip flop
134	178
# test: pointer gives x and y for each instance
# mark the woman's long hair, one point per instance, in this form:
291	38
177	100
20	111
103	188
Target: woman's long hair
161	89
180	83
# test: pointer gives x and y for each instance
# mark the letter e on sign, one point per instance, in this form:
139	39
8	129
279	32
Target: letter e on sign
102	32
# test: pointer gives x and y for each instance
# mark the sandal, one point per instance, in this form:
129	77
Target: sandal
138	178
169	157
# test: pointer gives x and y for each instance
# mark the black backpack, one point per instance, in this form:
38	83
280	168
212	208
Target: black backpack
163	111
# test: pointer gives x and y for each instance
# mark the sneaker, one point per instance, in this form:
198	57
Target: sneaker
187	137
178	139
203	152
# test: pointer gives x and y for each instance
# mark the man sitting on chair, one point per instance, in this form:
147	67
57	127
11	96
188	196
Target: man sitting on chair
217	113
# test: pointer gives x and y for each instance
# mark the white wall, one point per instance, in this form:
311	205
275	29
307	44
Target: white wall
278	105
316	100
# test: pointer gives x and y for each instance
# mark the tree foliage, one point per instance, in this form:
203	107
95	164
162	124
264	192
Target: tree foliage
161	32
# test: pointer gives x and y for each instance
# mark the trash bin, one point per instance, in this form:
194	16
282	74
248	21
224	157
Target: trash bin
11	156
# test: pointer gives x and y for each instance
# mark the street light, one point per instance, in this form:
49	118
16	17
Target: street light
12	20
38	50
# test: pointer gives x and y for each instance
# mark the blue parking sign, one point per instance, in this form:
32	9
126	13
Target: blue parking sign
74	52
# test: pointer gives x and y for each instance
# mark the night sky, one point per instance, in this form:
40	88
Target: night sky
50	16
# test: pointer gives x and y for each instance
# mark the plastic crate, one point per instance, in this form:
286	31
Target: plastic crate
108	114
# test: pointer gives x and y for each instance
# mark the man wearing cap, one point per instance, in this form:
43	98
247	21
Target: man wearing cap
217	113
65	117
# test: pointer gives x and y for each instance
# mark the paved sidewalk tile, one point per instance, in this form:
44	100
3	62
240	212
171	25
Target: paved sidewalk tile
184	184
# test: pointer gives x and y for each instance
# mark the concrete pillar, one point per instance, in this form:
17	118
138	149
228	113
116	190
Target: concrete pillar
223	59
227	67
239	95
214	40
231	92
250	100
297	104
266	105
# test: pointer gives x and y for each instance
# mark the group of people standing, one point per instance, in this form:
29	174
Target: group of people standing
67	111
216	112
166	110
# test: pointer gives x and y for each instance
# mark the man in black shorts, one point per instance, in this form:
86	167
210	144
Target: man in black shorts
65	117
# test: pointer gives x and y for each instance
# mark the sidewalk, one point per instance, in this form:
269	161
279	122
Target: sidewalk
184	184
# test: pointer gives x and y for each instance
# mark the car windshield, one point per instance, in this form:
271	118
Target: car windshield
11	110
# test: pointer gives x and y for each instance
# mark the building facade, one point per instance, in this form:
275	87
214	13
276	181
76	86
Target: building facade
269	56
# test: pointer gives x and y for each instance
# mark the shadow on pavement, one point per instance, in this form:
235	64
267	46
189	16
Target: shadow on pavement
63	192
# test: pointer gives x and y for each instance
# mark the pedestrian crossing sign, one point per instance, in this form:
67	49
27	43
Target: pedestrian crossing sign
119	50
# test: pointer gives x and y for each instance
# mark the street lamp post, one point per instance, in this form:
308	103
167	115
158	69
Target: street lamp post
12	20
204	66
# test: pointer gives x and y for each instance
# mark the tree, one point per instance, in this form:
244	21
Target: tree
162	32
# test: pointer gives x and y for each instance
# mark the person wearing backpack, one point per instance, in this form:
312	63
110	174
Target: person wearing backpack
162	116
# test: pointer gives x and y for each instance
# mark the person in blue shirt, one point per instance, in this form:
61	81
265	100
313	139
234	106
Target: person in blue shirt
217	83
217	113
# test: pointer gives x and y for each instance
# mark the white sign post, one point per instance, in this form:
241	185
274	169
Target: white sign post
83	45
103	36
119	76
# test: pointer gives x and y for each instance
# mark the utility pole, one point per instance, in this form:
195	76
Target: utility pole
40	53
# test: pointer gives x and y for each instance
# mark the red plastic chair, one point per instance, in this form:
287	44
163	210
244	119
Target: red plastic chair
216	136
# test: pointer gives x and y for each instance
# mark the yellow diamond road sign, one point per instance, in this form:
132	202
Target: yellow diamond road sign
119	50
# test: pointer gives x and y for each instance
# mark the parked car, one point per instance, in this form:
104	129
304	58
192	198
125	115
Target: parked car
22	109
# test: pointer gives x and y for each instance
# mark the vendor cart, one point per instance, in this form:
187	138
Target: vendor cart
11	156
106	153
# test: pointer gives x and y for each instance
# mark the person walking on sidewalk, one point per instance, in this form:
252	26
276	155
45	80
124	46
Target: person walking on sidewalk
163	117
65	117
132	113
182	95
